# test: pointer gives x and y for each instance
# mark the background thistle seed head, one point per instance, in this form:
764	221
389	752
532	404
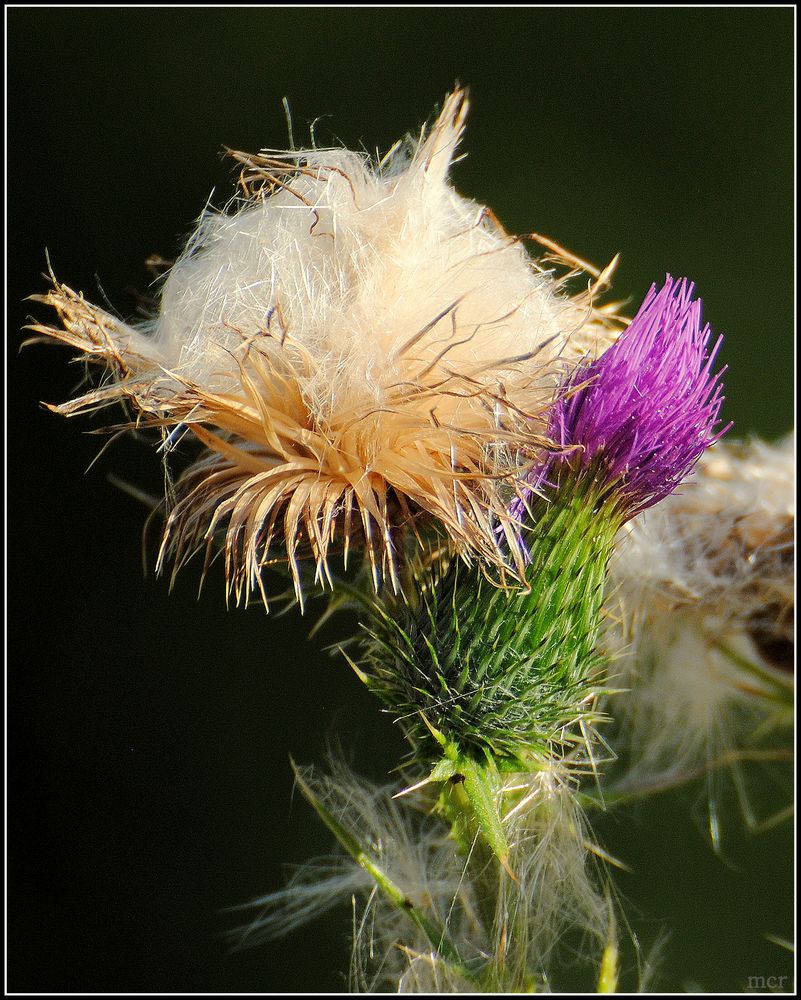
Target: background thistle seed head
702	607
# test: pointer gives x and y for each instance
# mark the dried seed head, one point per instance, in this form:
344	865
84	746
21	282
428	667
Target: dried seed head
702	607
723	547
355	346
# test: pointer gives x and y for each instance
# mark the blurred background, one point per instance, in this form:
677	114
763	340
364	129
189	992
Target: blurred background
149	780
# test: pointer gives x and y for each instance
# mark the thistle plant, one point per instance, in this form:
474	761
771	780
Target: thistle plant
395	406
493	680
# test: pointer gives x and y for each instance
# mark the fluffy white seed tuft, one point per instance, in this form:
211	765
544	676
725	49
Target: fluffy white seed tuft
354	344
506	931
701	612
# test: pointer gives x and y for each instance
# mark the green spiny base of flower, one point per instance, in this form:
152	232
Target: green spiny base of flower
500	674
485	679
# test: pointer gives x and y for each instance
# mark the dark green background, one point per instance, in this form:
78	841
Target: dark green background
149	776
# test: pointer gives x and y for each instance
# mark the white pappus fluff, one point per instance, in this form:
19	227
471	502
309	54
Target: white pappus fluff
354	344
351	261
506	931
414	851
701	612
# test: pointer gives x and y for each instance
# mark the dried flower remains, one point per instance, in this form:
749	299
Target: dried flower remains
358	349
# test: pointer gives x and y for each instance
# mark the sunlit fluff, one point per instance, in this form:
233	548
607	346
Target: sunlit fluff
642	414
416	852
353	345
702	608
508	947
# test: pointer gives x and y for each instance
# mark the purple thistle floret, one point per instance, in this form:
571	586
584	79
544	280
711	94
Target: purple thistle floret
643	413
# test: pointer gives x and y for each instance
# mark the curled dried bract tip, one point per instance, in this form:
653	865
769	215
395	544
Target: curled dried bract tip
356	347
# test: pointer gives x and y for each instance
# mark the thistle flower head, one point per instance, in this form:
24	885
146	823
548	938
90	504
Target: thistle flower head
354	346
644	412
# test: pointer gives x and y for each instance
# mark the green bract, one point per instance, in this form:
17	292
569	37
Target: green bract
485	679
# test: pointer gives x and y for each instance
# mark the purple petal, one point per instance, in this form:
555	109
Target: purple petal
643	413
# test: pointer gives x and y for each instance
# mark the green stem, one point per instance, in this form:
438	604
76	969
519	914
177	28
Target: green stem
437	937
